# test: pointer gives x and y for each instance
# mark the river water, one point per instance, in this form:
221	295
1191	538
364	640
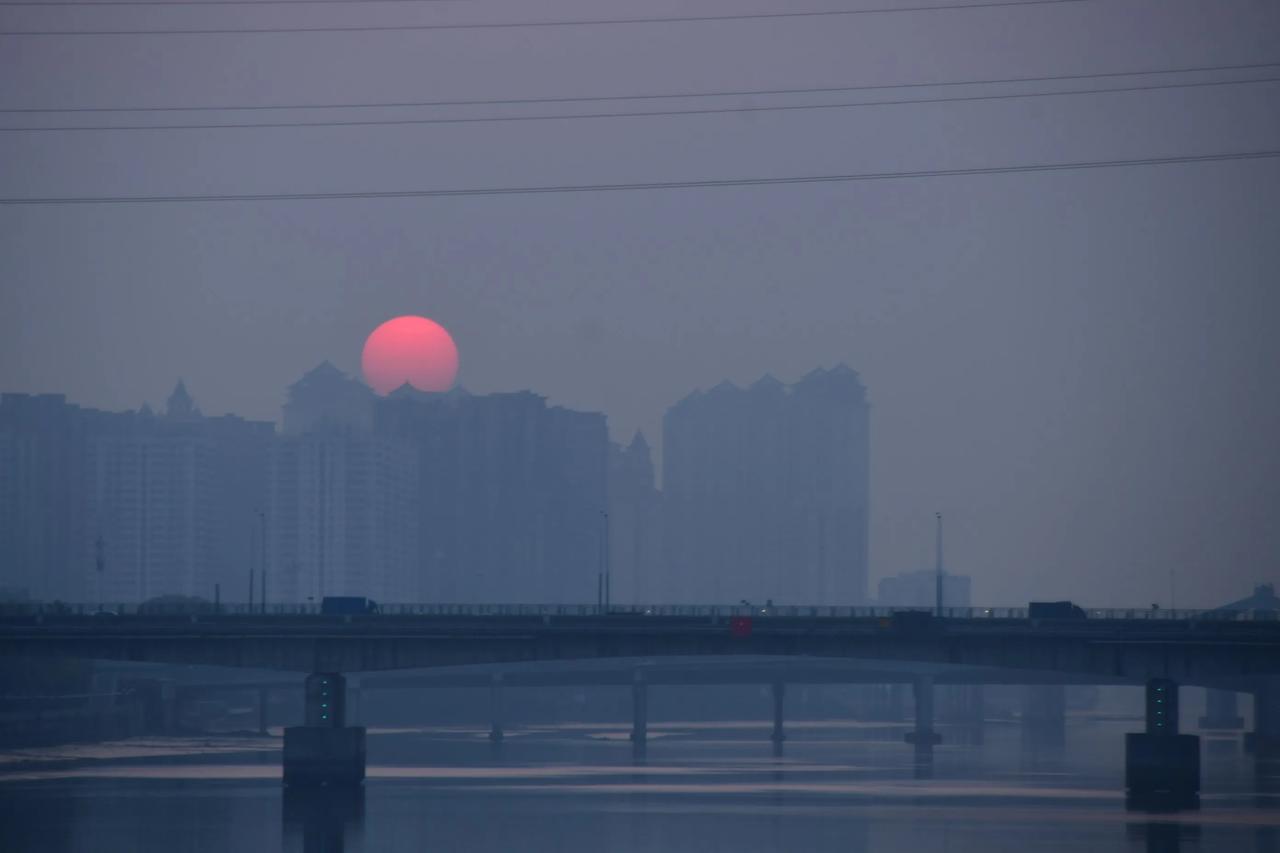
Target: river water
697	787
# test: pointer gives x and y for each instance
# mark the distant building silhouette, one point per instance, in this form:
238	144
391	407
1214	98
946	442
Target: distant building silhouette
1263	600
766	491
635	524
445	497
919	589
510	495
44	464
325	396
122	507
175	499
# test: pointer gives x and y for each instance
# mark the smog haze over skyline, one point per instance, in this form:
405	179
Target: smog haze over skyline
1078	368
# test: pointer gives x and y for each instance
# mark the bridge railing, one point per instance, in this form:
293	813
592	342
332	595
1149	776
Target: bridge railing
760	611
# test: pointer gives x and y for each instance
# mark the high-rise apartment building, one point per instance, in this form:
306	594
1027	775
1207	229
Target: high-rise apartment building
175	502
123	507
635	525
766	491
444	497
43	465
510	495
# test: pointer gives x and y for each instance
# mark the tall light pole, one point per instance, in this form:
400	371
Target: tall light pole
938	569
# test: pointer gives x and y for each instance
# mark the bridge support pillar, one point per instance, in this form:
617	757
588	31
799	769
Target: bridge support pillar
1044	714
1221	710
779	691
495	708
324	750
1264	740
639	709
1162	767
923	736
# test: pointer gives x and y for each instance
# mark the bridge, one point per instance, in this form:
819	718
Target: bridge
1161	649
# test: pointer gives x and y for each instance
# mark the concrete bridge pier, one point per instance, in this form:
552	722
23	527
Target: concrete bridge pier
923	736
324	750
495	708
779	692
1221	710
639	709
1162	767
1264	740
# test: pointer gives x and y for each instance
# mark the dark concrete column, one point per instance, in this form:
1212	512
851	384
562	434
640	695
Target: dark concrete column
1162	766
779	691
1221	710
1264	740
1044	714
324	751
495	708
923	736
639	709
321	817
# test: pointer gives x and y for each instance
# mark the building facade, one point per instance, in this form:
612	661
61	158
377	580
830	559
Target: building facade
123	507
634	526
766	491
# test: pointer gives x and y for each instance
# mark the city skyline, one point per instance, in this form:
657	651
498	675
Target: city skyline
408	496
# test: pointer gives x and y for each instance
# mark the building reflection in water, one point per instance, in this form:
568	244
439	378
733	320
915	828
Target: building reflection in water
322	819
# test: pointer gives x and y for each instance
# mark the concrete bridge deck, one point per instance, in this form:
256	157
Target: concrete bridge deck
1208	652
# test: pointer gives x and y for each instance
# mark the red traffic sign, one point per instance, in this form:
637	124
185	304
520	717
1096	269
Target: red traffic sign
740	626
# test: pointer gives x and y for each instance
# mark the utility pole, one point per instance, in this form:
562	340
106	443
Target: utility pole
938	569
607	562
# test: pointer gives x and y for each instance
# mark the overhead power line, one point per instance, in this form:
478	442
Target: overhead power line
654	185
38	3
588	22
660	96
633	114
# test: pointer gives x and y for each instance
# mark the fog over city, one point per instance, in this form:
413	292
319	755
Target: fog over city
776	367
1075	367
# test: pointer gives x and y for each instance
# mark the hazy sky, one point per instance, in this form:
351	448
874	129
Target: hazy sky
1078	368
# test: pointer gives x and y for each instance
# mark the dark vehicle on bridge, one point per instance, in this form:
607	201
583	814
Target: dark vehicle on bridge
1055	610
347	605
912	621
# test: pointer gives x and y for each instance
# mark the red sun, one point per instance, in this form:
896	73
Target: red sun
410	349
